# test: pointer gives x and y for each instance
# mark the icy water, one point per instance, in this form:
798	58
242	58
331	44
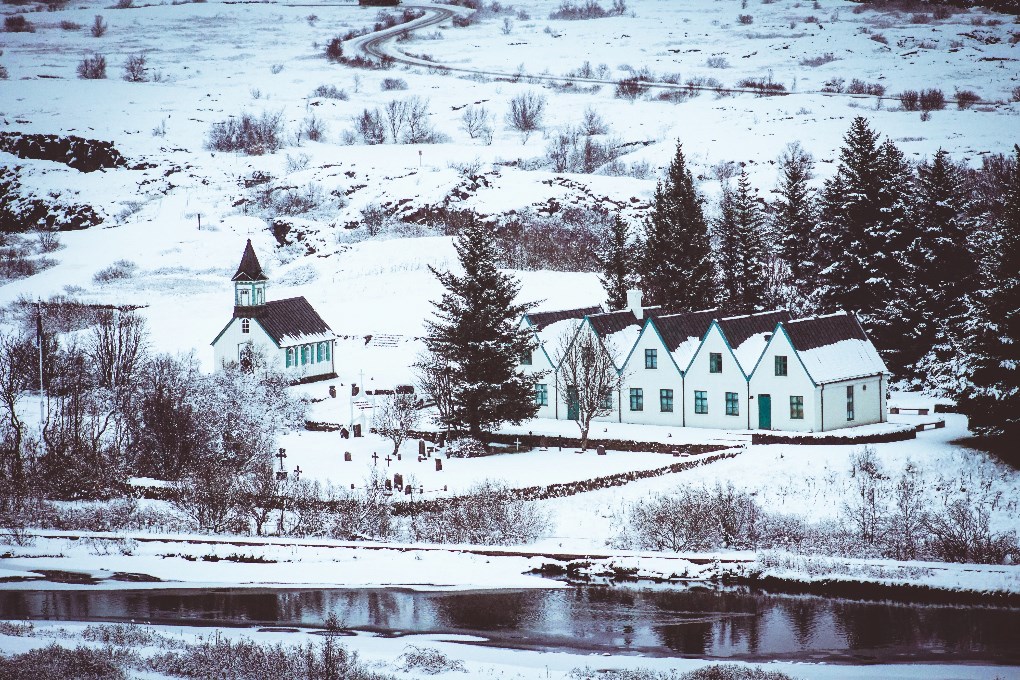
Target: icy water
731	623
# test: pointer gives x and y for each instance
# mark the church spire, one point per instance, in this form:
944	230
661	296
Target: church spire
249	269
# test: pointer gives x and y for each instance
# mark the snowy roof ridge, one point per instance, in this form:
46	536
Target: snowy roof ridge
834	347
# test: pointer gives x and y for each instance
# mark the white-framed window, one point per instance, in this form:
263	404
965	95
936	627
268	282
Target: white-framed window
246	325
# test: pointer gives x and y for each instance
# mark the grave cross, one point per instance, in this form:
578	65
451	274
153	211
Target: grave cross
297	473
388	461
517	443
375	458
281	455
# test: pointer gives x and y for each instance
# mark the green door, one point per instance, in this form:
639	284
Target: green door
573	406
764	411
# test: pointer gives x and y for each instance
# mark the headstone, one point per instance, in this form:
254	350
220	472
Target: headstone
676	454
332	391
421	448
439	464
352	486
444	487
398	480
421	488
345	433
347	457
389	485
357	429
442	439
398	457
600	450
407	490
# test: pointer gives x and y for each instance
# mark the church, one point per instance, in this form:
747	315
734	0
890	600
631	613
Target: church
289	334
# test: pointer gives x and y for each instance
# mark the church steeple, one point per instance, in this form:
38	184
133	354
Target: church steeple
249	285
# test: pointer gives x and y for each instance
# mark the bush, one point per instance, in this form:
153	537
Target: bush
69	26
18	23
135	70
4	75
966	99
961	533
121	269
92	68
99	27
1014	95
465	447
487	514
858	86
909	100
745	19
313	128
526	113
330	92
56	662
335	49
920	18
932	100
630	88
826	58
428	660
717	62
369	127
394	84
589	10
252	135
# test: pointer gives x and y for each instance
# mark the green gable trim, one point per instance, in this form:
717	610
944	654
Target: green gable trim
726	342
651	322
775	332
220	334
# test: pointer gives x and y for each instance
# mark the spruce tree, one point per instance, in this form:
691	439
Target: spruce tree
752	285
991	399
726	243
677	271
478	336
616	264
795	215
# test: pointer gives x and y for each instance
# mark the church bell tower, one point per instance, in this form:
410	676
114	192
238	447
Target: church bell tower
249	286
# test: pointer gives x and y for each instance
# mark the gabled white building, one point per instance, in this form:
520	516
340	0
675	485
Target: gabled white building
818	374
550	329
289	333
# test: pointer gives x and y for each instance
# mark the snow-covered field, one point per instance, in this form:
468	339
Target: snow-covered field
212	60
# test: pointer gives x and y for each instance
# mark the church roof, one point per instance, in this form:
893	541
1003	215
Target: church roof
293	321
249	269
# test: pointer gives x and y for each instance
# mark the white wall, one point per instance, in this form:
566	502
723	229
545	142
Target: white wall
651	380
869	402
796	383
228	345
717	385
540	363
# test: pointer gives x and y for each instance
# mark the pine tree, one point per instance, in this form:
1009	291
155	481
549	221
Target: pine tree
477	335
991	400
752	252
616	264
726	243
676	264
795	215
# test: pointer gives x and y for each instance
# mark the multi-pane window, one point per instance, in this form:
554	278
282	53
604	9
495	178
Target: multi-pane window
246	325
290	357
651	358
797	408
541	394
607	401
320	352
732	404
526	357
666	401
849	402
328	345
700	401
780	364
714	362
637	399
304	354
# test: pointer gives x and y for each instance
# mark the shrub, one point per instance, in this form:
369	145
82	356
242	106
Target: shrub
370	127
313	128
826	58
1014	95
745	19
135	70
4	75
394	84
119	270
879	38
465	447
909	100
630	88
428	660
941	12
920	18
330	92
526	113
99	27
335	49
69	26
18	23
589	10
477	122
717	62
966	99
858	86
124	4
961	533
932	100
55	661
252	135
92	68
487	514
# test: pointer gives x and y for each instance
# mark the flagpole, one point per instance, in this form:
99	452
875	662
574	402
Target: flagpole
42	393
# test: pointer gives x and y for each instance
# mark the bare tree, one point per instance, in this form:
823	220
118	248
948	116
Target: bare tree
369	126
135	69
592	123
395	417
526	113
419	130
477	122
396	117
433	378
117	347
679	520
587	377
866	508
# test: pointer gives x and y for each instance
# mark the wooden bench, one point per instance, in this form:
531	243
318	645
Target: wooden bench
896	410
938	424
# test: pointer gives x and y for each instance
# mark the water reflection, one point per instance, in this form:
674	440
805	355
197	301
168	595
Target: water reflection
665	620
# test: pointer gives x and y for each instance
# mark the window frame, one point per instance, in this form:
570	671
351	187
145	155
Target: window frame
290	357
701	402
651	358
732	403
796	407
527	357
665	400
541	394
715	362
850	410
637	399
782	361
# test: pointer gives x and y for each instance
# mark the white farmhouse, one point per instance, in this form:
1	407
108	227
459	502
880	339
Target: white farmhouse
550	330
818	374
289	333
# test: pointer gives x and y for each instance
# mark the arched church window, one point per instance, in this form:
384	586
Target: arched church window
320	353
290	357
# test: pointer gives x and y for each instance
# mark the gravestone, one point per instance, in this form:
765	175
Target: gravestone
407	490
439	464
345	433
347	457
398	457
421	448
352	486
332	391
357	430
600	450
389	485
442	439
398	480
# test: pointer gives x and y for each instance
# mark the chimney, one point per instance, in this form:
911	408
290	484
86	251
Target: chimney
634	303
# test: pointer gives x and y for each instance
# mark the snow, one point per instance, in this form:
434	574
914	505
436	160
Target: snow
843	360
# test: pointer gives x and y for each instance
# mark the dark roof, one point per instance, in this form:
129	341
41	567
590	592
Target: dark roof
249	269
738	329
608	323
543	319
819	331
676	328
291	318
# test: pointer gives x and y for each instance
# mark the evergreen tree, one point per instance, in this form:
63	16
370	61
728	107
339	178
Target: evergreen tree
477	335
795	215
726	242
616	264
676	264
991	399
752	252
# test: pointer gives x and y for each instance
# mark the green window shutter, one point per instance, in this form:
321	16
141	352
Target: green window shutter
329	346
